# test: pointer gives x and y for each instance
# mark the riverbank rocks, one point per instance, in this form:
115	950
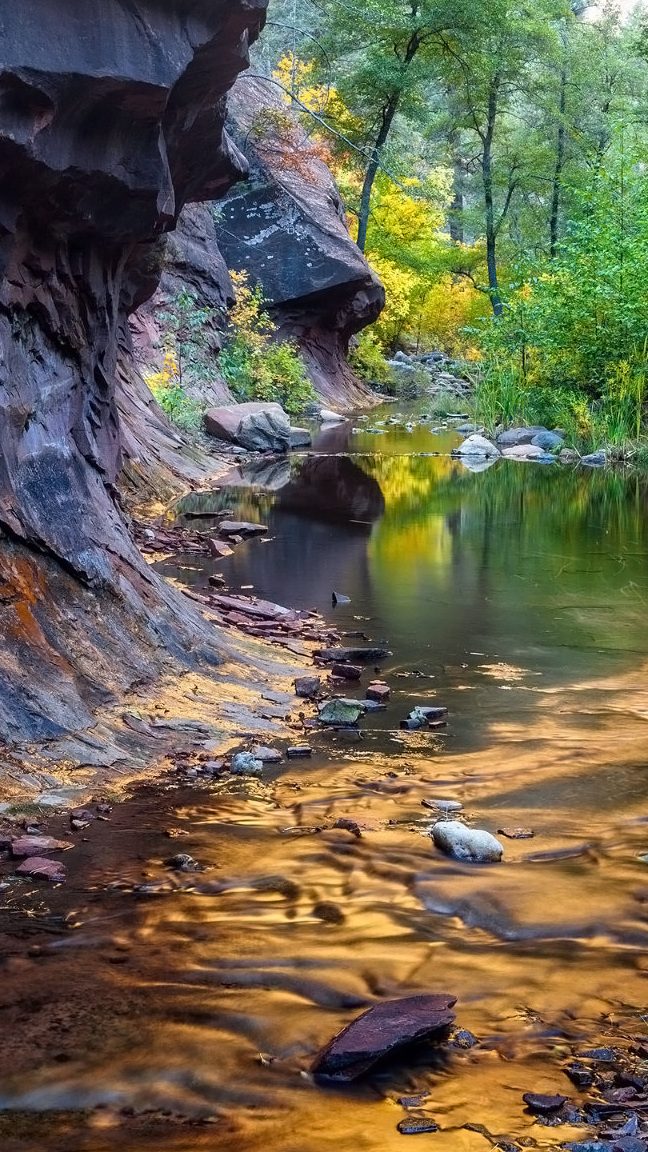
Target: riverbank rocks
40	868
594	459
473	844
384	1030
245	764
308	687
548	441
340	711
257	426
513	437
527	452
300	438
476	445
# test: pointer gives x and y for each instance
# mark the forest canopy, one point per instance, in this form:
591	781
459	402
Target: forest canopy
492	158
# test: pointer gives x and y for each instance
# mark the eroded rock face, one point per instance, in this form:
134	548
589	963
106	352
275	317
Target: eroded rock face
287	229
111	118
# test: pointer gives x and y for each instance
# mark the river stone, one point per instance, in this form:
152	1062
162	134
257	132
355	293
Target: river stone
346	671
465	843
548	441
594	459
329	417
42	869
568	456
340	711
539	1103
300	438
33	845
308	687
245	764
350	655
524	452
512	437
476	445
381	1031
266	755
257	426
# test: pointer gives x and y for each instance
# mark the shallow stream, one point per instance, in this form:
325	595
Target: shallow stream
187	1018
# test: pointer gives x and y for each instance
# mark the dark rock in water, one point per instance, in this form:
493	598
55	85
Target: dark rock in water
308	687
183	862
590	1146
241	528
512	437
464	1039
329	912
347	671
257	425
299	750
580	1075
416	1127
543	1104
42	869
435	712
413	1101
593	460
350	655
375	706
516	833
384	1030
602	1055
340	598
218	549
378	692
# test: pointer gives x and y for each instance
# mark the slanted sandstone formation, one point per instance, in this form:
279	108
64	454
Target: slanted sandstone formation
111	119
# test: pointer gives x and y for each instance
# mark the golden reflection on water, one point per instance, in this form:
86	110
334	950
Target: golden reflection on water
521	599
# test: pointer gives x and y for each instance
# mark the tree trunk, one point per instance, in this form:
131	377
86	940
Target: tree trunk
557	176
455	212
487	177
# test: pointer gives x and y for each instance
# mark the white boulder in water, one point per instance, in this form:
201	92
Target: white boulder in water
329	417
473	844
476	445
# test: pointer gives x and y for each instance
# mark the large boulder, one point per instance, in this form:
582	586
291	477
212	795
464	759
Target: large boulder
476	445
257	426
512	437
287	229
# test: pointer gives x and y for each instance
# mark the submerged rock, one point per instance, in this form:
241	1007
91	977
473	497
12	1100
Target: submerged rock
344	655
464	843
416	1127
382	1031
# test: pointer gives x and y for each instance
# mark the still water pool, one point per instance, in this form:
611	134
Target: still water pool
516	596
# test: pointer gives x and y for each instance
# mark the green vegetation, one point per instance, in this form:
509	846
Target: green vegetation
493	157
254	367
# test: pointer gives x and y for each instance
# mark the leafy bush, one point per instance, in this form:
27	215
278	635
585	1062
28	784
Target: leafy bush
367	359
171	396
254	367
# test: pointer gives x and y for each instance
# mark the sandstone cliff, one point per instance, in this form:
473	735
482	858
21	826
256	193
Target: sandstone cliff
111	119
286	227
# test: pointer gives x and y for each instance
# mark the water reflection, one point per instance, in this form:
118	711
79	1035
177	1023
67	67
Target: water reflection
520	594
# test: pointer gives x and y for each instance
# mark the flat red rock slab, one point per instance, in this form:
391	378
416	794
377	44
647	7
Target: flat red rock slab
31	845
42	869
538	1103
381	1031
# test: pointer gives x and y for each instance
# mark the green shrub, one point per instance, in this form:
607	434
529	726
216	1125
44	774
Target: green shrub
253	366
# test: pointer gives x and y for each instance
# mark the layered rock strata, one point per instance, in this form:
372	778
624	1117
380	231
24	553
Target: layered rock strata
111	119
